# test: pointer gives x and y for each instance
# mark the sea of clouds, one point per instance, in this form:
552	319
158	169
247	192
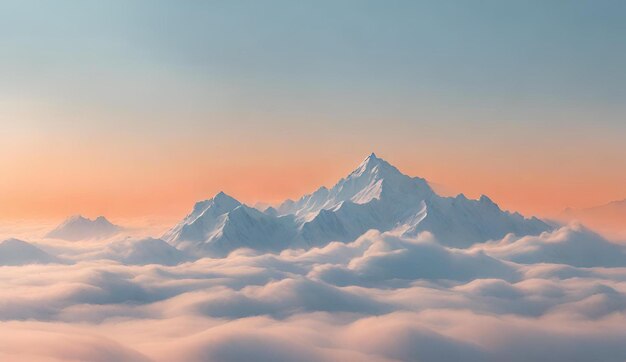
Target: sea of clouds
559	296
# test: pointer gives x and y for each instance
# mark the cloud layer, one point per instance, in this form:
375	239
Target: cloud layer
559	296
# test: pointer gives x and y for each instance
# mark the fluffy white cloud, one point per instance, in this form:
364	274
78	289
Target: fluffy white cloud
381	297
572	245
392	260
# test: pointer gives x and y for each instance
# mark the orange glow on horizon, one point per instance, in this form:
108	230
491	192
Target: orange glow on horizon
121	183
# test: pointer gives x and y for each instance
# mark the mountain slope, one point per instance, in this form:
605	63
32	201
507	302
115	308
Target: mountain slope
460	222
376	195
222	224
371	180
80	228
203	219
17	252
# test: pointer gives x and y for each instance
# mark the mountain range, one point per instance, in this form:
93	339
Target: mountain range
376	195
81	228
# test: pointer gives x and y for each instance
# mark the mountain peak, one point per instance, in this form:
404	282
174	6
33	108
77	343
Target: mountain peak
221	198
78	227
75	218
372	159
221	201
80	219
371	162
485	199
376	195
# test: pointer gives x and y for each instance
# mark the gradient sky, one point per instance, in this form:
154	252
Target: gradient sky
128	108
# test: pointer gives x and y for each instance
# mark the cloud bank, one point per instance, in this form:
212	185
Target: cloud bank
558	296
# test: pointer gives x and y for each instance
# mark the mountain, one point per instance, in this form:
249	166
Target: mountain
80	228
17	252
203	218
609	218
376	195
613	209
222	224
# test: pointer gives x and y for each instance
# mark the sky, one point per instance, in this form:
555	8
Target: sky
130	108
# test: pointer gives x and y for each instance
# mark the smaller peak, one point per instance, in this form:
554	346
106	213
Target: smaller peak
200	205
321	191
221	198
271	211
13	241
485	198
221	195
76	217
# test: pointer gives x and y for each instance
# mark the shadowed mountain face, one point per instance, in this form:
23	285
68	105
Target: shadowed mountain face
80	228
376	195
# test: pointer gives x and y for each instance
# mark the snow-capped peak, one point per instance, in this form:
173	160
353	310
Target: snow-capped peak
373	179
369	162
376	195
220	201
221	197
373	164
204	216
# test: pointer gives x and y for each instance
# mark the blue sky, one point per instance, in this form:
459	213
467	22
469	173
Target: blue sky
335	59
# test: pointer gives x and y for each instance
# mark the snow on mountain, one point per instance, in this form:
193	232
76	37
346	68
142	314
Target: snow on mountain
205	217
222	224
376	195
17	252
372	178
460	222
80	228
